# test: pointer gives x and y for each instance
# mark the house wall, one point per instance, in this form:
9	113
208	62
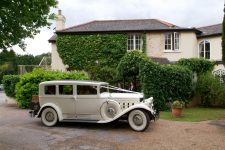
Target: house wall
57	63
215	46
155	46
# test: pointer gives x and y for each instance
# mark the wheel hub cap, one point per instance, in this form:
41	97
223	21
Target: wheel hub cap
138	120
111	112
49	116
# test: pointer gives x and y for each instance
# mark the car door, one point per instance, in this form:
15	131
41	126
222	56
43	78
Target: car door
87	100
65	99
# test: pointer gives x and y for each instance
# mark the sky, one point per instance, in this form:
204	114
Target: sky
184	13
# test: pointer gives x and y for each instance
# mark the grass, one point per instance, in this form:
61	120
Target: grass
196	114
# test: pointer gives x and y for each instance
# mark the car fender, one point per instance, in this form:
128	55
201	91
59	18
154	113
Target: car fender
137	106
54	106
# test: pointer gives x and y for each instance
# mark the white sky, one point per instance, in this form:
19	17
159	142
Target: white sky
186	13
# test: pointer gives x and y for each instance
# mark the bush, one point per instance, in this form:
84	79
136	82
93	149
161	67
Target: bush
210	90
29	82
9	82
198	65
165	83
128	67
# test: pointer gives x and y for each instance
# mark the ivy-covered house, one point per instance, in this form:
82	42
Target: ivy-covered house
98	44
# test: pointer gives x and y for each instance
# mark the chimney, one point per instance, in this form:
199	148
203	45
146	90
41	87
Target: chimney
60	21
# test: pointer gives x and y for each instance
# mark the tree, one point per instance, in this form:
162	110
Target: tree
128	67
21	19
223	39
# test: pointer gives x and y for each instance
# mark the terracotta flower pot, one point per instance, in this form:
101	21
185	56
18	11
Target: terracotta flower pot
176	112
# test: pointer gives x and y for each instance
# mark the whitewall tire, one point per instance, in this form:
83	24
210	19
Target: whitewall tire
138	120
110	109
49	117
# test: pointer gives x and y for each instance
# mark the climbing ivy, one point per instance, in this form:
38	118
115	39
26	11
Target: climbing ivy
97	54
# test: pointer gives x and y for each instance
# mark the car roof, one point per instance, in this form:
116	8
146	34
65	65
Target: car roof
80	82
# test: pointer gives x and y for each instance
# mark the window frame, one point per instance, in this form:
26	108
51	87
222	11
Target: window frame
204	49
172	40
135	42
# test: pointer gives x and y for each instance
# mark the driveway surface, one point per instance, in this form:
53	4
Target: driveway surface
20	132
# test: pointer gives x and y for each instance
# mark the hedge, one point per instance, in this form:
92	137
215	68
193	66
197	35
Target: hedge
9	82
198	65
29	82
128	68
166	83
210	90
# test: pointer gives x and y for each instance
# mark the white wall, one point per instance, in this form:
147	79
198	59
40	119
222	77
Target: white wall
188	46
57	63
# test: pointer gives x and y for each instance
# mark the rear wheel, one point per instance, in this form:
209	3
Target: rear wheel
138	120
49	117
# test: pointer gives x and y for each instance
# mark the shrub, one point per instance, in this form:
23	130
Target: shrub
128	67
198	65
178	104
210	90
29	82
9	82
165	83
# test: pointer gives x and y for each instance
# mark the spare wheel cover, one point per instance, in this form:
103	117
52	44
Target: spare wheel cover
110	109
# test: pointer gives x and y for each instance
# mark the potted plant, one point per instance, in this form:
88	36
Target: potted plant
177	107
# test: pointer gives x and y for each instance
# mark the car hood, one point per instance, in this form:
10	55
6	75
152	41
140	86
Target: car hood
121	95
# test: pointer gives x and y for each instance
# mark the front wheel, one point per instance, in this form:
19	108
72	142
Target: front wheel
138	120
49	117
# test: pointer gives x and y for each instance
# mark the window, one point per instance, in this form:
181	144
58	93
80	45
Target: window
50	90
66	89
134	42
172	41
204	49
86	90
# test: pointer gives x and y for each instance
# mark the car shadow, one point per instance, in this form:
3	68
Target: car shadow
95	126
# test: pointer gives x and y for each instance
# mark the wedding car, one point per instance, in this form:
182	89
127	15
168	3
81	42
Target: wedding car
90	101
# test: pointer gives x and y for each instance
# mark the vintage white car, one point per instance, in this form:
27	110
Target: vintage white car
91	101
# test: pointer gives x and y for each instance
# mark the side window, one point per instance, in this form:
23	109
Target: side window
66	89
86	90
50	89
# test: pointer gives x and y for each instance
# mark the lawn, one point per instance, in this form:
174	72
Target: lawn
196	114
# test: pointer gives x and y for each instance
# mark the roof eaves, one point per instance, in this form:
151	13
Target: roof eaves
209	35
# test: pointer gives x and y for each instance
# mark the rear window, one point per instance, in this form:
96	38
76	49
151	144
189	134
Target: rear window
66	89
50	90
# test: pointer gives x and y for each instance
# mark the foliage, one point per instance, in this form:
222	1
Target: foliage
9	62
129	63
195	114
21	19
128	67
165	83
210	90
29	82
178	104
98	54
198	65
9	82
223	38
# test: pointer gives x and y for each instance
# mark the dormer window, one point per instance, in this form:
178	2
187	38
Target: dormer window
172	41
134	42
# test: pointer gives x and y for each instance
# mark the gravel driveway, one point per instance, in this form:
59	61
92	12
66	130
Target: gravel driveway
20	132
